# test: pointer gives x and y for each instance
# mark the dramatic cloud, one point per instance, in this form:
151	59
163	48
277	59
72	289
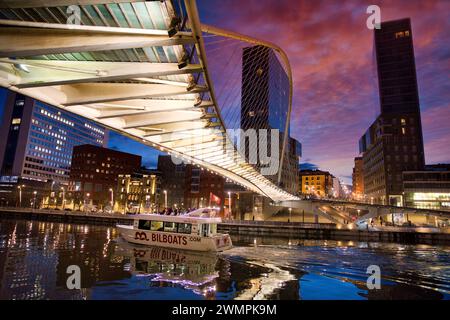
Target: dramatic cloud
331	54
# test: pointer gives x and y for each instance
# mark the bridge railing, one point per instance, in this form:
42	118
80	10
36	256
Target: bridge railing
279	224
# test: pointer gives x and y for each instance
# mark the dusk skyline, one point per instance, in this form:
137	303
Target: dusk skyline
225	150
331	55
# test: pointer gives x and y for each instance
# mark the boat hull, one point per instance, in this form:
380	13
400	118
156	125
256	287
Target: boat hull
217	243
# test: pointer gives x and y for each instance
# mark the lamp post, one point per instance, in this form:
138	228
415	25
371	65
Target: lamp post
20	194
63	198
86	200
50	195
165	199
229	204
34	199
112	198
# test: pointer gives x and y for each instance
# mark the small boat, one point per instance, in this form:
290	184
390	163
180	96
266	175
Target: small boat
196	230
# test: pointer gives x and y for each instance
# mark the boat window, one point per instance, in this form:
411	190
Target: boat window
157	226
213	228
170	226
184	228
205	230
144	224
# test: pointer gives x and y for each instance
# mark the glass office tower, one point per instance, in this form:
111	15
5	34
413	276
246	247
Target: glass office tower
38	140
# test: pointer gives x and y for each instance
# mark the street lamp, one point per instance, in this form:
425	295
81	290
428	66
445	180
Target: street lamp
50	196
165	198
229	204
112	197
63	198
34	199
86	201
20	194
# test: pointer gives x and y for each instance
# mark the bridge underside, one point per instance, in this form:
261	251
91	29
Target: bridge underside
128	68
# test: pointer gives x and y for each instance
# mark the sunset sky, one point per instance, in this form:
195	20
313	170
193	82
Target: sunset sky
331	53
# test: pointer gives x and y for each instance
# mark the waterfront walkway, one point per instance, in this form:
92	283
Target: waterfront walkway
255	228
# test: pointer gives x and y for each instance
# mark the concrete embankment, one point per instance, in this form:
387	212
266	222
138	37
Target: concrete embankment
331	232
66	216
295	230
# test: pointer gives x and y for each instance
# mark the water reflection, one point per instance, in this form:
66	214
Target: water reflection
190	270
34	257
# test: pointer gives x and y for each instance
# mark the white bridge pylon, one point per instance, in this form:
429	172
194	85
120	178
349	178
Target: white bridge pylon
127	68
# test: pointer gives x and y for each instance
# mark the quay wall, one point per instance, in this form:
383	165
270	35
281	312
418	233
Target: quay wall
295	230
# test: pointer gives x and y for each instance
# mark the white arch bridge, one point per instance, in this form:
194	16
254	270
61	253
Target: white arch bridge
137	67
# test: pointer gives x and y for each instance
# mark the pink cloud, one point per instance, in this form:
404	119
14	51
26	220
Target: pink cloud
331	54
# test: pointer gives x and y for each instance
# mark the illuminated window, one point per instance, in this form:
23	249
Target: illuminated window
400	34
15	121
157	226
403	130
403	121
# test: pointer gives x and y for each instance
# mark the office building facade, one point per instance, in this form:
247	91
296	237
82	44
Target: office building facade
358	179
94	171
172	182
138	192
38	142
317	183
203	188
393	143
264	106
429	188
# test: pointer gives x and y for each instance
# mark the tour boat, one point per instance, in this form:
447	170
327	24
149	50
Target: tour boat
196	230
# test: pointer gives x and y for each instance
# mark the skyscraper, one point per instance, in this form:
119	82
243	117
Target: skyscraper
38	142
264	105
393	143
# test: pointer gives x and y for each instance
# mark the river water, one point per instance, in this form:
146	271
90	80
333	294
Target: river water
35	257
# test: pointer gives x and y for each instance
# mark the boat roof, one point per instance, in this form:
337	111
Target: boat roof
180	218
